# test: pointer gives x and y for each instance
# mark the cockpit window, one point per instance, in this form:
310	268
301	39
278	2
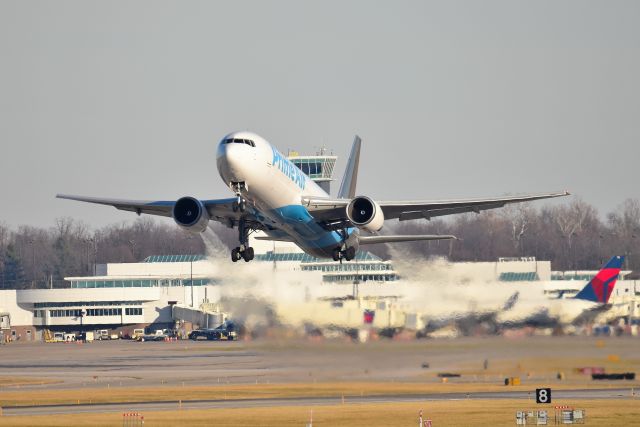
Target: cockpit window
239	141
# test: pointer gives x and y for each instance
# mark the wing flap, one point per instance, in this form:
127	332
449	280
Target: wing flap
428	214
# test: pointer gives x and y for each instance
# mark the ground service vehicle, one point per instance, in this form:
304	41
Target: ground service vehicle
85	336
224	332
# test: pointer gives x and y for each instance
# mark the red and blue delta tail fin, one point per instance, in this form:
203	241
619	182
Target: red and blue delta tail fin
599	289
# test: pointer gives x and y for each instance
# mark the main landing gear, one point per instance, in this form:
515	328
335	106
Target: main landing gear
244	251
241	252
344	251
348	253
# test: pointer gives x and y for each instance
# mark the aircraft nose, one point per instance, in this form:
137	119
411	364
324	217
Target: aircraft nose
233	159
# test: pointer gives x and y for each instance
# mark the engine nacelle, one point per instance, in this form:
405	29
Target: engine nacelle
365	214
190	214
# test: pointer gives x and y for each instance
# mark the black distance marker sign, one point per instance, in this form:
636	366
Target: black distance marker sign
543	395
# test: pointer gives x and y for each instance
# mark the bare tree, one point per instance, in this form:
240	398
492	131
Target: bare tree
569	220
624	223
519	218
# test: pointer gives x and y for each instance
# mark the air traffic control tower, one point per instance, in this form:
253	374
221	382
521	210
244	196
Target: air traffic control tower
319	167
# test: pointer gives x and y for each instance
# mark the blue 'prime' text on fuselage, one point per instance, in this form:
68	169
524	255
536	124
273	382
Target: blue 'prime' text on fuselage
289	169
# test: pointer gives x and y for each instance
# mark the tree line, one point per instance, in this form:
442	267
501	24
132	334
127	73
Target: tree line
573	236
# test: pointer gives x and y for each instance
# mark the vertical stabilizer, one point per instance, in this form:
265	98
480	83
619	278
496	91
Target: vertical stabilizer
599	289
348	185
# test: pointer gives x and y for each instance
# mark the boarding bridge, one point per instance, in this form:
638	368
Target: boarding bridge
204	316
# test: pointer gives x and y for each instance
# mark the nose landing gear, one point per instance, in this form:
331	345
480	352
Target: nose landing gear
240	204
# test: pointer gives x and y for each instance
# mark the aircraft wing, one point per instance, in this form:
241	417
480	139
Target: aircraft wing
333	211
218	209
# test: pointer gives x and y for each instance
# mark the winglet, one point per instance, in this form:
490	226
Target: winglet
348	185
599	289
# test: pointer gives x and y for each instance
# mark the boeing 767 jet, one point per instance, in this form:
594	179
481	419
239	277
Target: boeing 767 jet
274	196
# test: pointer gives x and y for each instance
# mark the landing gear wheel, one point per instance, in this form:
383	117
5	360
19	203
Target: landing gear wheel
247	254
336	254
235	254
350	253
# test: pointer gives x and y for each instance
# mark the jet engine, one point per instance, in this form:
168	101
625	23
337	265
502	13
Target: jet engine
365	214
190	214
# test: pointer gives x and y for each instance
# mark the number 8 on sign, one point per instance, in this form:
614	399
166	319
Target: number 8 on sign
543	395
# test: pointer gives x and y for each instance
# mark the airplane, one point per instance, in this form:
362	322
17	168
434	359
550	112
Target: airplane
274	196
568	310
600	288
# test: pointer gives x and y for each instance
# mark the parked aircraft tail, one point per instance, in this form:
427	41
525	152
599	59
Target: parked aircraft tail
599	289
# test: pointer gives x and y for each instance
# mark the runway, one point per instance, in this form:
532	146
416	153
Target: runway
171	405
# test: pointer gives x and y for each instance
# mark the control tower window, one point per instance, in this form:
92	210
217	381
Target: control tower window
310	168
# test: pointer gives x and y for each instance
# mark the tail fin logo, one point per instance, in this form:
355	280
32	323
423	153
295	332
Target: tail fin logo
600	288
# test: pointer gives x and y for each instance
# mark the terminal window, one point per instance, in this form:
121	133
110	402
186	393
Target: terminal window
104	312
133	311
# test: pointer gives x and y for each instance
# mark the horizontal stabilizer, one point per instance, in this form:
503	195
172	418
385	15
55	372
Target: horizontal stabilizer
274	239
370	240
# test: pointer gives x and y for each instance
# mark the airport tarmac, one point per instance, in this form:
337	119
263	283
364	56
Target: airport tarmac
213	362
482	364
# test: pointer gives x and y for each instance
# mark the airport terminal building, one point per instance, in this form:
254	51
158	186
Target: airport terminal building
125	296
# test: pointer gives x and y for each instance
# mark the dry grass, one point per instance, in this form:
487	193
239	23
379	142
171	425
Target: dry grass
19	381
258	391
477	413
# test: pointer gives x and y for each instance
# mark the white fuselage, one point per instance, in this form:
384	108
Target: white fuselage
273	188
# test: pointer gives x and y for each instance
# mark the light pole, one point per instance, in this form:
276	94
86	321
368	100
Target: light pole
88	241
189	238
94	240
33	264
191	281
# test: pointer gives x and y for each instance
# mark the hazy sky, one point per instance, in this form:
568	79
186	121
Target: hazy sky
452	99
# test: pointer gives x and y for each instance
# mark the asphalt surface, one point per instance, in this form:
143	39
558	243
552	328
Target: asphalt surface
150	364
125	364
303	401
